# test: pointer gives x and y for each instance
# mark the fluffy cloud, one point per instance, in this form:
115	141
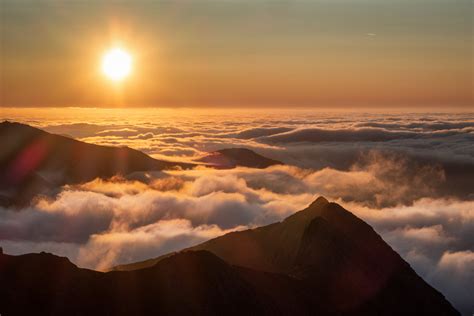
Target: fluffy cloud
408	175
316	135
304	139
103	223
454	274
259	132
158	238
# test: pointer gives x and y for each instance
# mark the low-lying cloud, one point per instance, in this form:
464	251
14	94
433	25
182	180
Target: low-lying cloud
104	223
407	175
316	135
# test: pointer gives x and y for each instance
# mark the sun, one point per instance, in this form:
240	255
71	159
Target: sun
117	64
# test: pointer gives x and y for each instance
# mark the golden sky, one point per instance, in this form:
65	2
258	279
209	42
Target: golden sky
238	53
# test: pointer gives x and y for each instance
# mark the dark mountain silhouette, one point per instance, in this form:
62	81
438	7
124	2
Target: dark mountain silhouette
335	256
238	157
33	161
189	283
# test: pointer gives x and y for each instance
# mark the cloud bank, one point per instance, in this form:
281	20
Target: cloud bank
408	175
104	223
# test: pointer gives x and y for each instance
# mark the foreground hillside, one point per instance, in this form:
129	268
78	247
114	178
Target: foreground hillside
320	261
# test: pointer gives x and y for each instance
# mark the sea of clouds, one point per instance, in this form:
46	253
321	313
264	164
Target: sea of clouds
409	175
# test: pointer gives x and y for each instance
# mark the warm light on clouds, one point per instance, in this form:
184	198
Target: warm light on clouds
409	175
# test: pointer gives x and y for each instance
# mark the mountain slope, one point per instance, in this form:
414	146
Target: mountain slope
335	254
33	161
189	283
235	157
270	248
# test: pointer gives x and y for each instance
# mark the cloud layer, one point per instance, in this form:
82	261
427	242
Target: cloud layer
408	175
312	140
104	223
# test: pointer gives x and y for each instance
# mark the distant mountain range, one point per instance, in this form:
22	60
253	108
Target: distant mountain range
34	162
320	261
238	157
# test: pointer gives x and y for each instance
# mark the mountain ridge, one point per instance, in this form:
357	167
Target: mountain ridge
330	273
228	158
35	162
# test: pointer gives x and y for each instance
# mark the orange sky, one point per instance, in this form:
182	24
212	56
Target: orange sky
240	53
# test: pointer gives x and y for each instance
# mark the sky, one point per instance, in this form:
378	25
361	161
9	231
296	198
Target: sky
240	53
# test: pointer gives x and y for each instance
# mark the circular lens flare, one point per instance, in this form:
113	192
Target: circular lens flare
117	64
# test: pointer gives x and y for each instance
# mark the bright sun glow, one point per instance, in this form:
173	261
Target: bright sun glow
117	64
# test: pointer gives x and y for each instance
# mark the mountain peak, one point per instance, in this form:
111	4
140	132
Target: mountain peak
321	200
233	157
320	261
316	208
